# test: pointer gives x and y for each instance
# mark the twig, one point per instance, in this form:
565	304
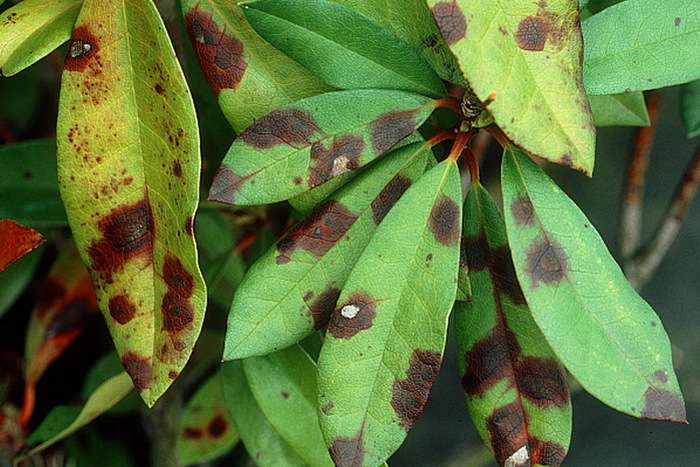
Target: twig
631	226
161	425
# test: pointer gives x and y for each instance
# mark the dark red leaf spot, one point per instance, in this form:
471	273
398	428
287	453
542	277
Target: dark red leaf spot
127	233
546	262
508	430
566	160
177	169
176	307
356	315
318	233
217	426
322	307
348	452
444	221
390	128
82	49
532	33
474	253
343	156
409	395
292	127
172	374
226	185
522	211
660	404
220	55
489	361
192	433
390	194
139	369
503	274
159	89
661	376
189	226
542	382
546	453
121	308
450	21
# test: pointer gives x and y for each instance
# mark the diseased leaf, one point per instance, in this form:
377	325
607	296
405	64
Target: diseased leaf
523	57
28	183
249	76
515	390
264	445
619	110
205	429
128	166
385	340
17	241
605	334
308	143
350	51
284	385
642	44
293	288
690	108
16	277
33	29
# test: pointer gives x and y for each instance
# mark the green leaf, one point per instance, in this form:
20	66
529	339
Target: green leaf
249	76
306	144
642	44
690	108
284	385
106	367
21	97
525	57
627	109
350	51
128	167
16	277
32	29
605	334
263	443
28	179
307	268
515	390
384	344
205	429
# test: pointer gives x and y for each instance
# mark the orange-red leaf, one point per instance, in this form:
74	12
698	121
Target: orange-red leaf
16	240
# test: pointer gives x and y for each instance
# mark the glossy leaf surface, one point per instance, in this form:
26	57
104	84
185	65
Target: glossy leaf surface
350	51
619	110
128	166
17	240
385	340
293	288
308	143
690	108
515	390
605	334
525	57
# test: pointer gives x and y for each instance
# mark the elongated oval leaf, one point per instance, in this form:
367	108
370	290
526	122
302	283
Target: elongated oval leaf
32	29
306	144
307	268
525	57
128	166
384	344
627	109
642	44
350	51
284	385
605	334
17	240
249	76
690	108
515	389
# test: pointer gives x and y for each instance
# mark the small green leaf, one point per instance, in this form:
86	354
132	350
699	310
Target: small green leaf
642	44
523	57
384	344
16	277
309	266
350	51
205	430
249	76
627	109
263	443
509	373
106	367
306	144
690	108
128	167
605	334
284	385
32	29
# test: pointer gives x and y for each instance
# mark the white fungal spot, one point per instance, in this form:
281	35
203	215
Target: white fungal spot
199	38
349	311
520	458
340	166
78	48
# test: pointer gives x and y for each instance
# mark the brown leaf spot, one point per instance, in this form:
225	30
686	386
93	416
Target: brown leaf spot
532	33
503	274
121	308
176	307
139	369
226	185
444	221
348	452
322	307
390	194
546	453
192	433
660	404
410	394
318	233
450	21
508	429
677	21
217	426
293	127
177	169
327	408
390	128
489	361
343	156
661	376
219	54
474	253
522	211
172	374
546	262
127	233
159	89
356	315
542	382
189	226
82	49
